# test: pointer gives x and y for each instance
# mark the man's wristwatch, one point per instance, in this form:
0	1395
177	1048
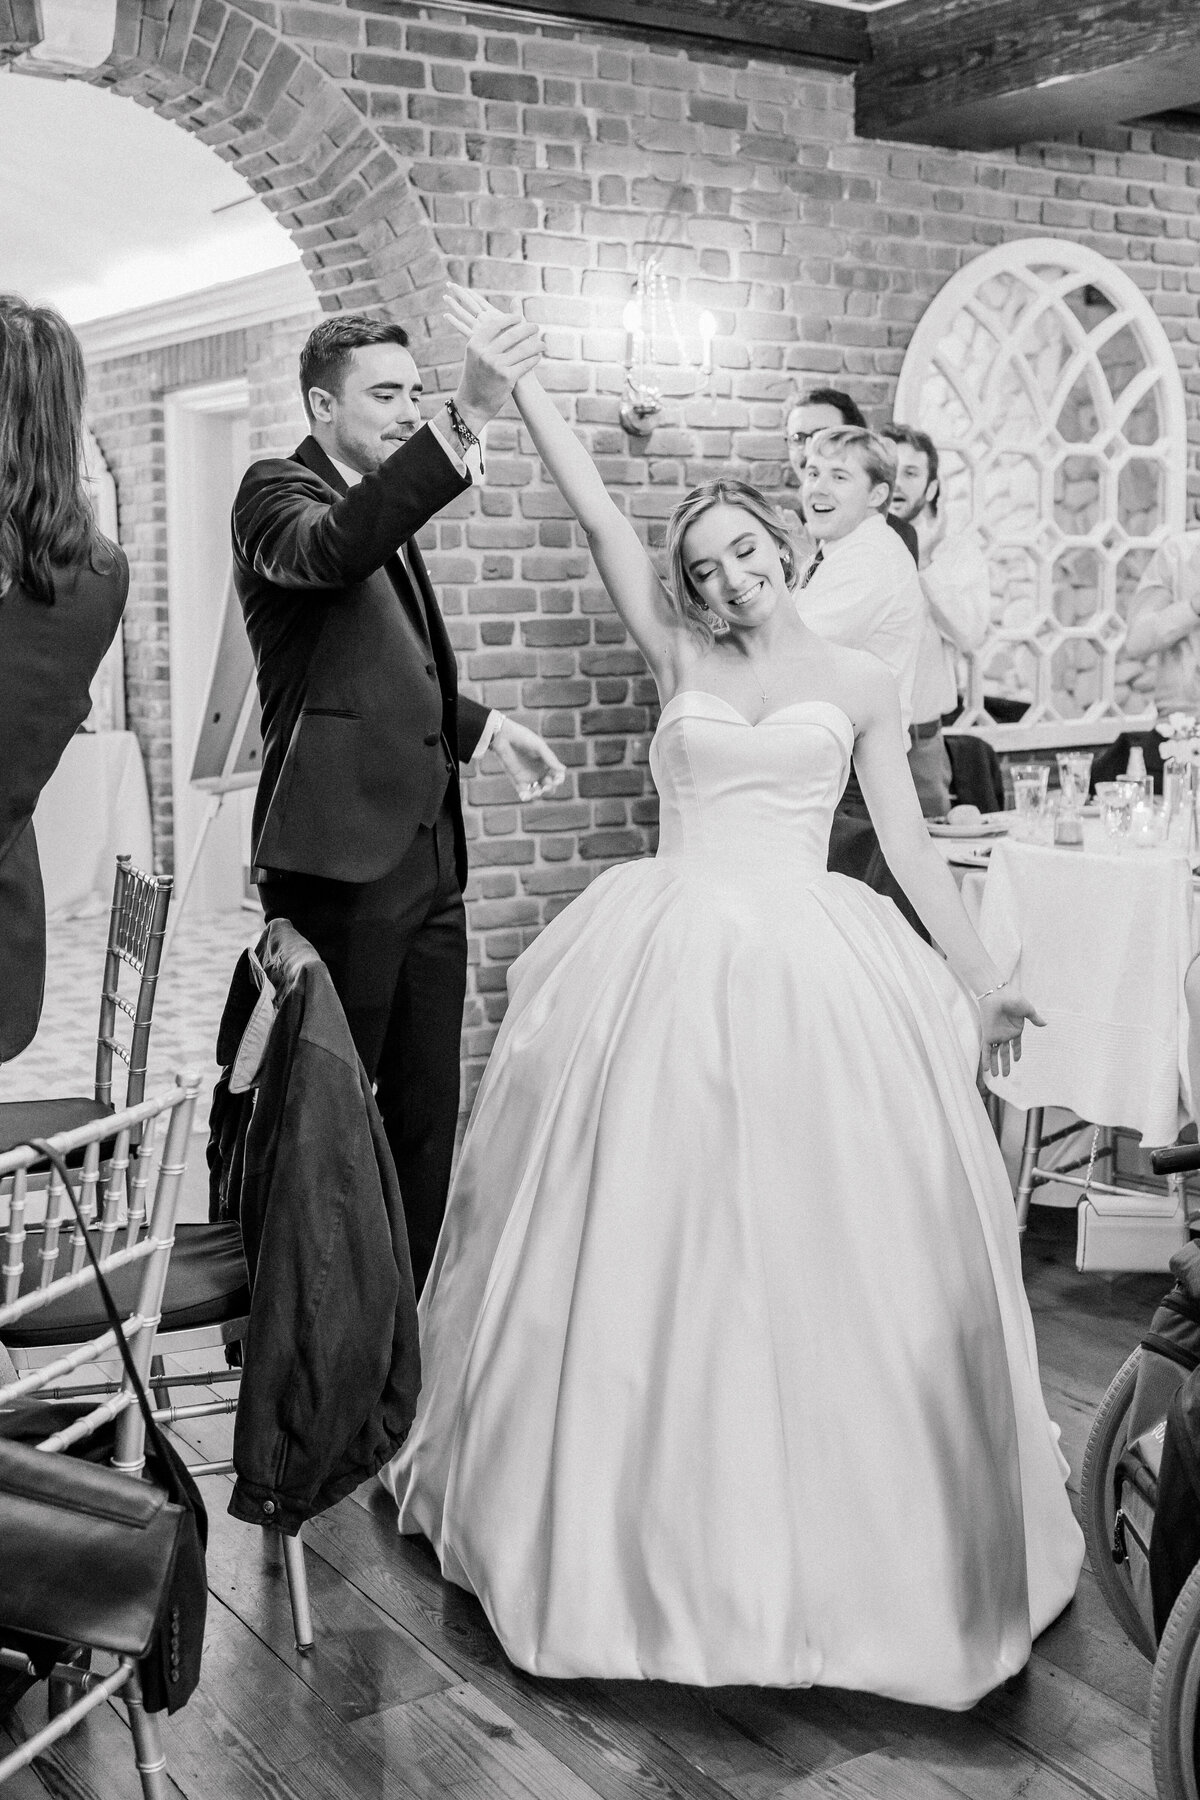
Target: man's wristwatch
462	431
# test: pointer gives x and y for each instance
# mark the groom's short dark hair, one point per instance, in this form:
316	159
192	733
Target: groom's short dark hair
331	344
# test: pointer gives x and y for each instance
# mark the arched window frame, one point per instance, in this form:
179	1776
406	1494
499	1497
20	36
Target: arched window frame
1044	726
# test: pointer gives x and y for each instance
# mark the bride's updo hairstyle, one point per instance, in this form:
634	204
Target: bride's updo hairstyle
685	601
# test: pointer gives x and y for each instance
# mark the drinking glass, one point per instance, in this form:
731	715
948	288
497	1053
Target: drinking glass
1148	823
1030	782
1179	798
1116	807
1139	787
1074	777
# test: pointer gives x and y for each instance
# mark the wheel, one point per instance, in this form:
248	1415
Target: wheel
1174	1696
1097	1502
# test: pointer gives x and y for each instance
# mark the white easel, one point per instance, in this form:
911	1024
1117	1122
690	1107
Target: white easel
228	753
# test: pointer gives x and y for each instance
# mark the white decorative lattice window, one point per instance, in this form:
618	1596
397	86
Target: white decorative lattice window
1048	385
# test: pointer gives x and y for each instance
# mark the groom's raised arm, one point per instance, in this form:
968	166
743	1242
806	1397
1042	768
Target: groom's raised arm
289	531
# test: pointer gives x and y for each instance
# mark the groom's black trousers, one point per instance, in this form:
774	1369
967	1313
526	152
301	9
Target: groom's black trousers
396	949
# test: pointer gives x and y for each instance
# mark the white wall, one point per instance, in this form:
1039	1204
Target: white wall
207	450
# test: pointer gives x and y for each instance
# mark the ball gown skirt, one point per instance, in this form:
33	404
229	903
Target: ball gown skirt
729	1370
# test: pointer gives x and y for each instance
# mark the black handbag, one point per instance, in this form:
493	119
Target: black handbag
115	1548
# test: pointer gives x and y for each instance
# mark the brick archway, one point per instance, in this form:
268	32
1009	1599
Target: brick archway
261	99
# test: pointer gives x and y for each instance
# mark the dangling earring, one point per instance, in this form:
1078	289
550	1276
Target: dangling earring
787	562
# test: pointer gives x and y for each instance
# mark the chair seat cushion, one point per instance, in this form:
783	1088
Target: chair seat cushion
207	1284
21	1120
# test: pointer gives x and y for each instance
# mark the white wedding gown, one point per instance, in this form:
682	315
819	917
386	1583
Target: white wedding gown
729	1371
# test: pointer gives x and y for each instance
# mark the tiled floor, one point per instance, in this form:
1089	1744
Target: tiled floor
191	992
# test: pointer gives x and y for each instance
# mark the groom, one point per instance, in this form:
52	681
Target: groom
358	828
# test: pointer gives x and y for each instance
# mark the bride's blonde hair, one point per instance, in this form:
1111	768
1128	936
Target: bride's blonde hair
685	601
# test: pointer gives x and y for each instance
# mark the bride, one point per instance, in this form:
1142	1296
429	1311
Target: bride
729	1371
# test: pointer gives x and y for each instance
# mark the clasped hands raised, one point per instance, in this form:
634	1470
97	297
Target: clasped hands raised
501	347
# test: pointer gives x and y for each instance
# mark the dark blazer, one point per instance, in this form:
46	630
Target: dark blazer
48	656
332	1360
356	674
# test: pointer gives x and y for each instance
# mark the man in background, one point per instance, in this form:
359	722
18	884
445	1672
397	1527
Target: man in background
958	608
861	589
1164	627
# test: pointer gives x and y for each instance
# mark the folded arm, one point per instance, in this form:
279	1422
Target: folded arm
1158	618
958	591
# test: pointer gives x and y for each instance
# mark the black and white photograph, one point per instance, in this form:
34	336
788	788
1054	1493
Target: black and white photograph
599	955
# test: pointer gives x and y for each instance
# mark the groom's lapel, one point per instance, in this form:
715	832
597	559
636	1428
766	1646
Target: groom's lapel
313	457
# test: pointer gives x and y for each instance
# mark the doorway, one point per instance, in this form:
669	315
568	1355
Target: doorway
207	445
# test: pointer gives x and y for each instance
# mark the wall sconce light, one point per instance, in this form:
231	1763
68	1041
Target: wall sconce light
651	327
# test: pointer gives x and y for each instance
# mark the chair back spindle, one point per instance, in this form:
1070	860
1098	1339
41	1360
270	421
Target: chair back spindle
35	1280
137	927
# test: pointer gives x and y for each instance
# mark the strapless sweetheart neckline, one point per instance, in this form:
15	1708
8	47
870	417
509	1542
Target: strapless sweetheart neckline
753	724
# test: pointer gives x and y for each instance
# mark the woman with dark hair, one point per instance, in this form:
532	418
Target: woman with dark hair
729	1374
62	591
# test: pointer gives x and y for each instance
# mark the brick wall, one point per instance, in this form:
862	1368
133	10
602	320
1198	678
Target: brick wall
401	143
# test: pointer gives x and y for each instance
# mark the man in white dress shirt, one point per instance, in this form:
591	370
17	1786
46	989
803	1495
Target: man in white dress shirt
1164	623
958	609
861	589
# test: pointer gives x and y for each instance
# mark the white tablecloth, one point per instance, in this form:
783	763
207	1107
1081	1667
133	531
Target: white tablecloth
1100	942
94	808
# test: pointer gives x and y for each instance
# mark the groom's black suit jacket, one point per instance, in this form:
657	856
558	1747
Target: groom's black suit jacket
363	725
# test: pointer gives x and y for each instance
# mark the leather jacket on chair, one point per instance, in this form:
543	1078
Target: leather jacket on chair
331	1360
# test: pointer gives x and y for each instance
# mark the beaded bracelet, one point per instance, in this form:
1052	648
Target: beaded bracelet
462	430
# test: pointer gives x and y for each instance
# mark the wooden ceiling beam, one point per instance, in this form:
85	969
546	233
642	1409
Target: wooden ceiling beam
987	74
807	31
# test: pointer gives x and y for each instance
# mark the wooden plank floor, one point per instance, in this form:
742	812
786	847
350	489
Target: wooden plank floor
407	1692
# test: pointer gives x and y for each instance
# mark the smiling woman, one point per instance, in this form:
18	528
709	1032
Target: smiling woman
647	1301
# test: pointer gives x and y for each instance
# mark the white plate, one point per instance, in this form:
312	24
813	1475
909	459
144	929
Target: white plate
990	825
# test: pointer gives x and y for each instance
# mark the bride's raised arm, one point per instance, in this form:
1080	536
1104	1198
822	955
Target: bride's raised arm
625	568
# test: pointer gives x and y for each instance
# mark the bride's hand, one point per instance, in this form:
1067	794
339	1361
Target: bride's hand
466	311
1002	1017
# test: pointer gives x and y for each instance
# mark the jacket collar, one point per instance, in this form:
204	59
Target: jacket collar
313	457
